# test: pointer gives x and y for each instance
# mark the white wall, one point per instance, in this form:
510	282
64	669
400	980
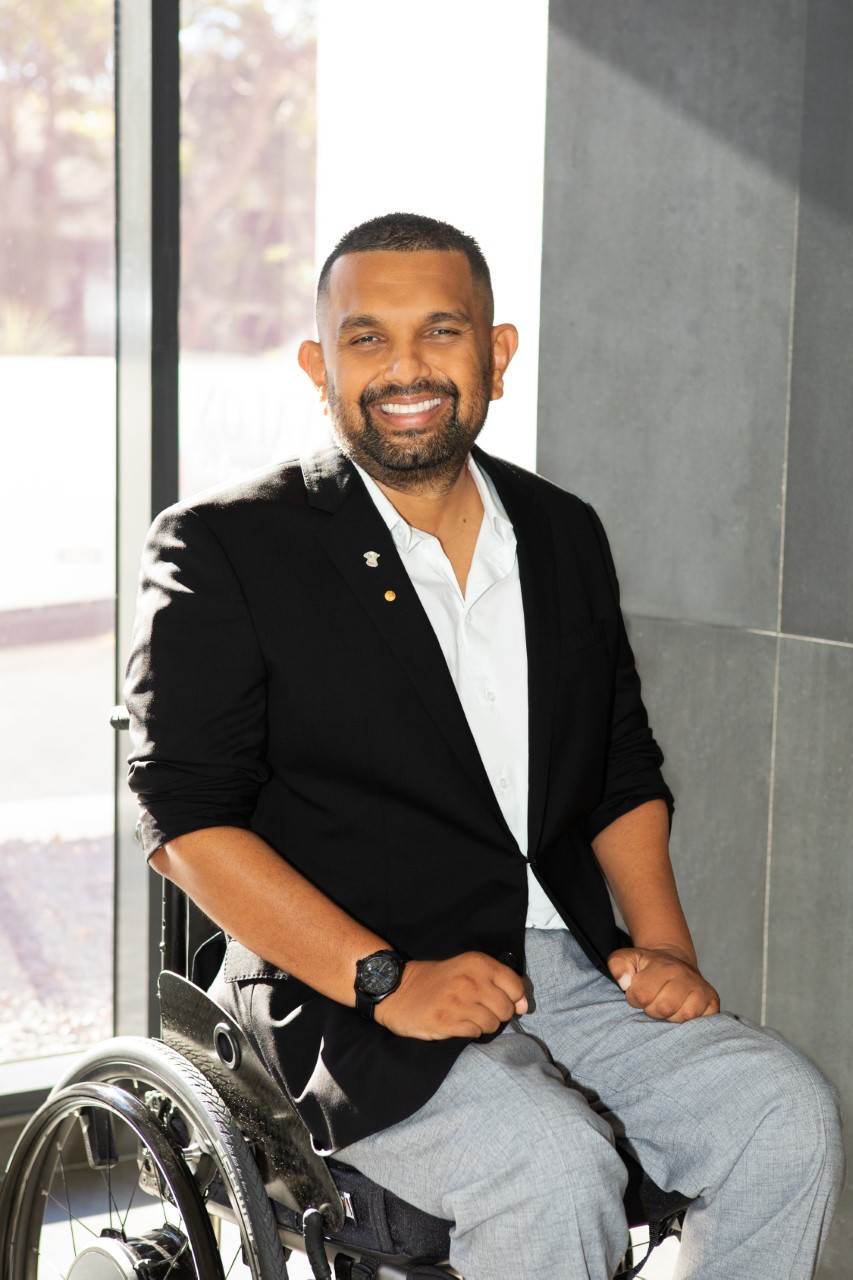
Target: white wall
439	108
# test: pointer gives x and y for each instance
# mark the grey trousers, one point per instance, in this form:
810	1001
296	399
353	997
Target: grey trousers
517	1146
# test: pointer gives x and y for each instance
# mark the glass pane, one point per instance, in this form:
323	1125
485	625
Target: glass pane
57	517
247	234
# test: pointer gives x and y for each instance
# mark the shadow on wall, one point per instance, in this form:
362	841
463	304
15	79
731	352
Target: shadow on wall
639	39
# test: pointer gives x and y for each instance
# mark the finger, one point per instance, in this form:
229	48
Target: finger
500	1004
693	1006
623	966
696	1001
650	984
513	986
662	1000
466	1030
487	1019
645	988
509	982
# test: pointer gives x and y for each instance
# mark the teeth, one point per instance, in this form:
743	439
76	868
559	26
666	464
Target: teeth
420	407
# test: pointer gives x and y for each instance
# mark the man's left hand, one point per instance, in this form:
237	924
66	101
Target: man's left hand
663	984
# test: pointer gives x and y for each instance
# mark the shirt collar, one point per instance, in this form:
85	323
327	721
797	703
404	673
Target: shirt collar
406	536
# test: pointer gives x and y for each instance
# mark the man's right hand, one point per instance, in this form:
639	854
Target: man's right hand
468	995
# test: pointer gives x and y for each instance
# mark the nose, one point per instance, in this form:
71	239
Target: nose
405	363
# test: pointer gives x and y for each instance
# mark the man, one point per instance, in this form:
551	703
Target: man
386	716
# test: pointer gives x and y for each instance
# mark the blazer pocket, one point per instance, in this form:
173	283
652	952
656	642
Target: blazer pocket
241	964
580	640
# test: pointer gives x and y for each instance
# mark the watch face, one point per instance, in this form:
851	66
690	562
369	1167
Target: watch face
378	974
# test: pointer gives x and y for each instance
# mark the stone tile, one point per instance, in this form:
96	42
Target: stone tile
709	691
810	994
675	50
818	584
667	263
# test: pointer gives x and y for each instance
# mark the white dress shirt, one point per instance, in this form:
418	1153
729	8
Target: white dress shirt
483	641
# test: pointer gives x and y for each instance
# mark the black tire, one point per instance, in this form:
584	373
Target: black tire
170	1108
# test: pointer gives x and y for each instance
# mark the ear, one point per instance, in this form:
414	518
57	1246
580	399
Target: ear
311	360
504	347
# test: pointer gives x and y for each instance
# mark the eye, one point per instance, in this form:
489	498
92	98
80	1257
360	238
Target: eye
364	340
444	333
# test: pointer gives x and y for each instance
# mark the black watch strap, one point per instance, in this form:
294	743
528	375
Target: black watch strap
365	1005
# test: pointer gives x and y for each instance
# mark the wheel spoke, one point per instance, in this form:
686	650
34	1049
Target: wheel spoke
108	1182
71	1220
177	1256
233	1260
67	1198
159	1185
129	1206
42	1257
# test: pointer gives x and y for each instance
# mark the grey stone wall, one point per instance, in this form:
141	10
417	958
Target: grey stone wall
696	384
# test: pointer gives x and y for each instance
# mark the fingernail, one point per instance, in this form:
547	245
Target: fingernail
626	980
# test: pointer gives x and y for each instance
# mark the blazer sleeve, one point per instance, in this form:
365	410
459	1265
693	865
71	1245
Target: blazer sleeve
633	767
195	689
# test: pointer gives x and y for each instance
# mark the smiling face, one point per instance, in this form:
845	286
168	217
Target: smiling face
407	363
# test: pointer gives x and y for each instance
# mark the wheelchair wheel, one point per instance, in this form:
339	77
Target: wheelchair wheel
111	1179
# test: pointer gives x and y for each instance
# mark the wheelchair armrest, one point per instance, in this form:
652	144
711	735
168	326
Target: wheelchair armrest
194	1025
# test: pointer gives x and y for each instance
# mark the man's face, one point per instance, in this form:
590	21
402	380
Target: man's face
407	362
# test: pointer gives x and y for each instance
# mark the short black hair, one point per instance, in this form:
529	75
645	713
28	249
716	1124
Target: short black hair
409	233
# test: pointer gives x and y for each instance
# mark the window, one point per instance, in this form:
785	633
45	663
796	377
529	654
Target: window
57	500
248	143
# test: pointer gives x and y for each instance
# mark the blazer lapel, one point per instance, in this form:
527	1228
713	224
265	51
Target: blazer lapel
537	567
387	595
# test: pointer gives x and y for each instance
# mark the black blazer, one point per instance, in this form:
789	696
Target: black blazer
273	686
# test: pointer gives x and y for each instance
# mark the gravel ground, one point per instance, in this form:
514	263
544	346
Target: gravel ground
56	903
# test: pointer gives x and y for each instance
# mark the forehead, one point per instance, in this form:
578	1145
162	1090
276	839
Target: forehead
383	283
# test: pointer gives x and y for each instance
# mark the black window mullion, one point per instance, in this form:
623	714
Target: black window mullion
148	280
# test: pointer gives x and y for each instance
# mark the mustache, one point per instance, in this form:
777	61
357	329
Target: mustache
424	386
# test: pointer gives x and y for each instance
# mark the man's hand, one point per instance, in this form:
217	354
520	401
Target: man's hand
467	995
663	983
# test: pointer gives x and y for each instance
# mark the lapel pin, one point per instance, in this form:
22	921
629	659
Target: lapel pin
390	595
372	559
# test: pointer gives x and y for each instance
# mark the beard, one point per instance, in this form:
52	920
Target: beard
421	460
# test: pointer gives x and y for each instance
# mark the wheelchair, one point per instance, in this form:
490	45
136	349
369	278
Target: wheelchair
192	1165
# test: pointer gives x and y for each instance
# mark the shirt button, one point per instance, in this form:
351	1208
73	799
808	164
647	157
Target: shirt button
503	782
490	694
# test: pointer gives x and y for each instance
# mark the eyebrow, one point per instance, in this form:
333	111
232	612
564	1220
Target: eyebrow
358	322
351	323
442	317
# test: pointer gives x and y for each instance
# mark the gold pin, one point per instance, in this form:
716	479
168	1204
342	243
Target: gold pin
390	595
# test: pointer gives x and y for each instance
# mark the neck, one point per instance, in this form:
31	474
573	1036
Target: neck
437	507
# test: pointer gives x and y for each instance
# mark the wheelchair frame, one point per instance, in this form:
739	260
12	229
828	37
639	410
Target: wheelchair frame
215	1138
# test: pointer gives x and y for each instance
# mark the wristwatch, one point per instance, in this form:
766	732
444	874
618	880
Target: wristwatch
377	976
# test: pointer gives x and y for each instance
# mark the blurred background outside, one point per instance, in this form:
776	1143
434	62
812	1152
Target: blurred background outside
248	195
